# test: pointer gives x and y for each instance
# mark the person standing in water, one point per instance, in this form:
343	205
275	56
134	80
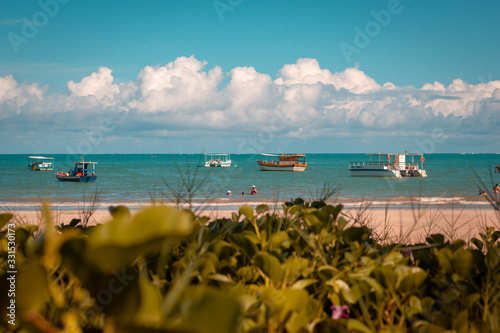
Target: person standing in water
254	191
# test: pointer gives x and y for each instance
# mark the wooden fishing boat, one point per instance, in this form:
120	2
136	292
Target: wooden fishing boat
282	162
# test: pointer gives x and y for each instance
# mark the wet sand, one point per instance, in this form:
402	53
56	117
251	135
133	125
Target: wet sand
408	225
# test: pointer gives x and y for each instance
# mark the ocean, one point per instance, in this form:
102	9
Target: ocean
136	180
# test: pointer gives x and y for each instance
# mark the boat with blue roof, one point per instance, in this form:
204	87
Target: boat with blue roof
84	171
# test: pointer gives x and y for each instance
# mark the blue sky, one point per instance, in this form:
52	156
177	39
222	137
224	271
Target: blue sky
187	76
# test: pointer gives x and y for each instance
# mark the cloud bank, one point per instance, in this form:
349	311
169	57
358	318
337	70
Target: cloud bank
184	99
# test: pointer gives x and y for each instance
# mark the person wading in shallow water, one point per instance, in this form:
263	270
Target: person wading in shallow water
254	191
496	189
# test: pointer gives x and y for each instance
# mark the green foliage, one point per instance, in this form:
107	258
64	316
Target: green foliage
166	270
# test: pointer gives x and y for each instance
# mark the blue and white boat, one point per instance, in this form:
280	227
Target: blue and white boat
40	163
83	171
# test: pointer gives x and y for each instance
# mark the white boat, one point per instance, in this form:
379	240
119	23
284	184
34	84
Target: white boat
40	163
217	160
390	165
283	162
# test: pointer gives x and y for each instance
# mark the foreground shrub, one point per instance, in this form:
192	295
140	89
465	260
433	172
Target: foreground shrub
306	270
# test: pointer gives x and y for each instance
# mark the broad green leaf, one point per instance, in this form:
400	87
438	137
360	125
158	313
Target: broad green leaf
461	321
74	222
208	264
247	211
279	239
122	240
248	274
414	306
270	266
209	311
393	259
456	245
295	209
295	301
119	212
493	257
24	232
312	222
260	209
359	234
150	302
297	322
296	268
222	249
234	217
32	286
244	244
374	285
327	272
332	210
341	287
221	278
409	278
463	262
4	219
435	239
477	243
357	326
471	300
386	275
445	257
302	284
355	293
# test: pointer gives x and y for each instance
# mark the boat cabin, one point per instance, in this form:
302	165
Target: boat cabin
40	163
217	160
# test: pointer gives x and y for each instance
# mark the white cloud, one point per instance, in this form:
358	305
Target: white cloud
181	84
436	86
305	71
183	97
355	81
21	94
98	84
308	71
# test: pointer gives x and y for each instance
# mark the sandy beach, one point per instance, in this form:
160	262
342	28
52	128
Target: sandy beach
409	225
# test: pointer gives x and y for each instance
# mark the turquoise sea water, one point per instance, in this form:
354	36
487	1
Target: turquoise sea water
135	179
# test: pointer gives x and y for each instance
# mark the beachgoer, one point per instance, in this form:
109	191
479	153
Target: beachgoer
242	193
228	193
496	189
254	190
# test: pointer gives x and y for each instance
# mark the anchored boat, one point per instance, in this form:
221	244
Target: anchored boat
390	165
83	171
283	162
40	163
217	160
